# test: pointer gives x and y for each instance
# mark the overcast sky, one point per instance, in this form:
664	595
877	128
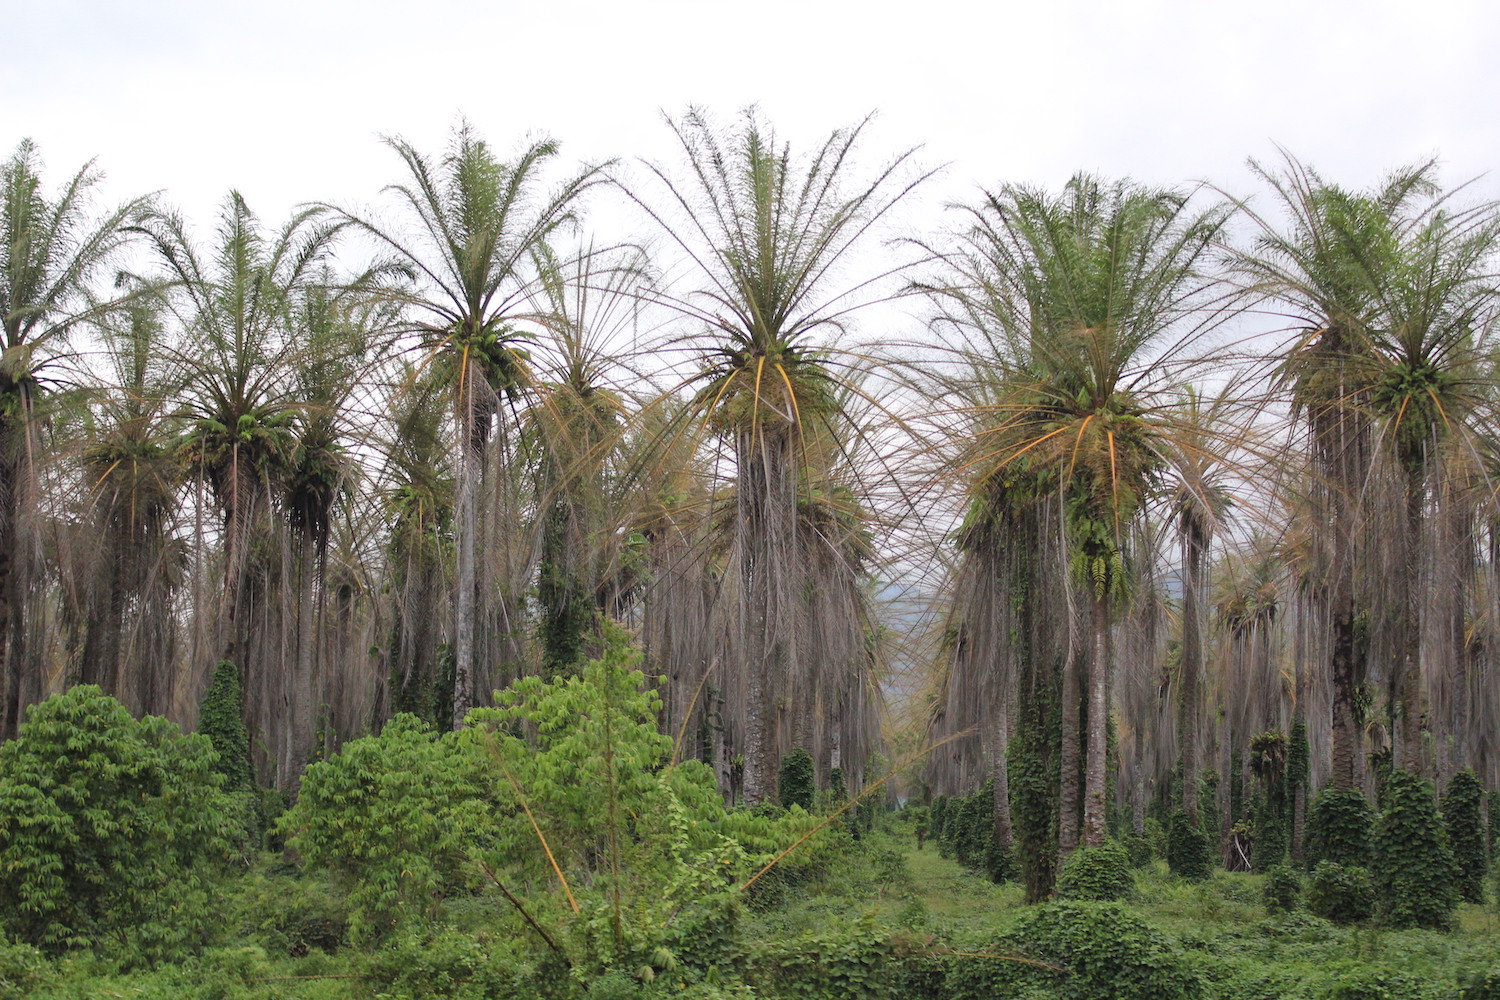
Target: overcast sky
284	99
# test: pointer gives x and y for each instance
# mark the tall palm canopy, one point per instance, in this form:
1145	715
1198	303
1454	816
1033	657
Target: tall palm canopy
51	253
480	228
1080	540
765	235
1390	297
1081	311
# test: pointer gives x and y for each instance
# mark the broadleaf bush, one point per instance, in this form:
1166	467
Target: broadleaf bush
111	829
1077	950
1463	819
1343	894
1098	873
1412	865
1338	828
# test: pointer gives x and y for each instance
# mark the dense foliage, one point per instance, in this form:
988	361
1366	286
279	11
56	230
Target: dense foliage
1187	848
112	829
797	782
1079	950
1339	827
1097	874
1411	863
1283	890
1341	893
1463	821
396	815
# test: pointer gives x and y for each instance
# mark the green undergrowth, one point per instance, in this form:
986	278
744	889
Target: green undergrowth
889	922
529	858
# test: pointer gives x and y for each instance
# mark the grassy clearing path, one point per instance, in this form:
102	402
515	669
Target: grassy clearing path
957	898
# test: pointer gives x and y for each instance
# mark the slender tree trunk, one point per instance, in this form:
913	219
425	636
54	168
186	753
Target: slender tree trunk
12	621
1412	722
10	626
301	688
1192	665
113	665
1070	755
1095	771
767	506
467	509
999	771
1337	440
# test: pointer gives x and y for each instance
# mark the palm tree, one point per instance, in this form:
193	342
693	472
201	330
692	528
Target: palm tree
134	480
238	304
1386	290
337	326
1082	306
578	424
481	228
1430	394
51	250
418	498
1200	503
765	234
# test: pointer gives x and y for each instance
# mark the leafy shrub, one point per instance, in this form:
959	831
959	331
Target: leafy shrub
1086	950
1413	865
1139	849
418	963
1340	893
650	852
1187	849
938	826
1282	890
23	970
796	783
1298	769
1338	828
1483	985
109	829
1156	836
1464	821
221	720
1365	982
291	915
1268	762
851	961
972	831
396	814
1000	863
1096	873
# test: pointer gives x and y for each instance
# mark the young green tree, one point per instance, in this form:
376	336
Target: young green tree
110	828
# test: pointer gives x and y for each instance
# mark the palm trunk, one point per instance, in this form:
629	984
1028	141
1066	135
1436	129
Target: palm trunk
1192	665
1069	756
467	506
1412	723
1095	765
766	501
999	771
1337	440
12	620
300	695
